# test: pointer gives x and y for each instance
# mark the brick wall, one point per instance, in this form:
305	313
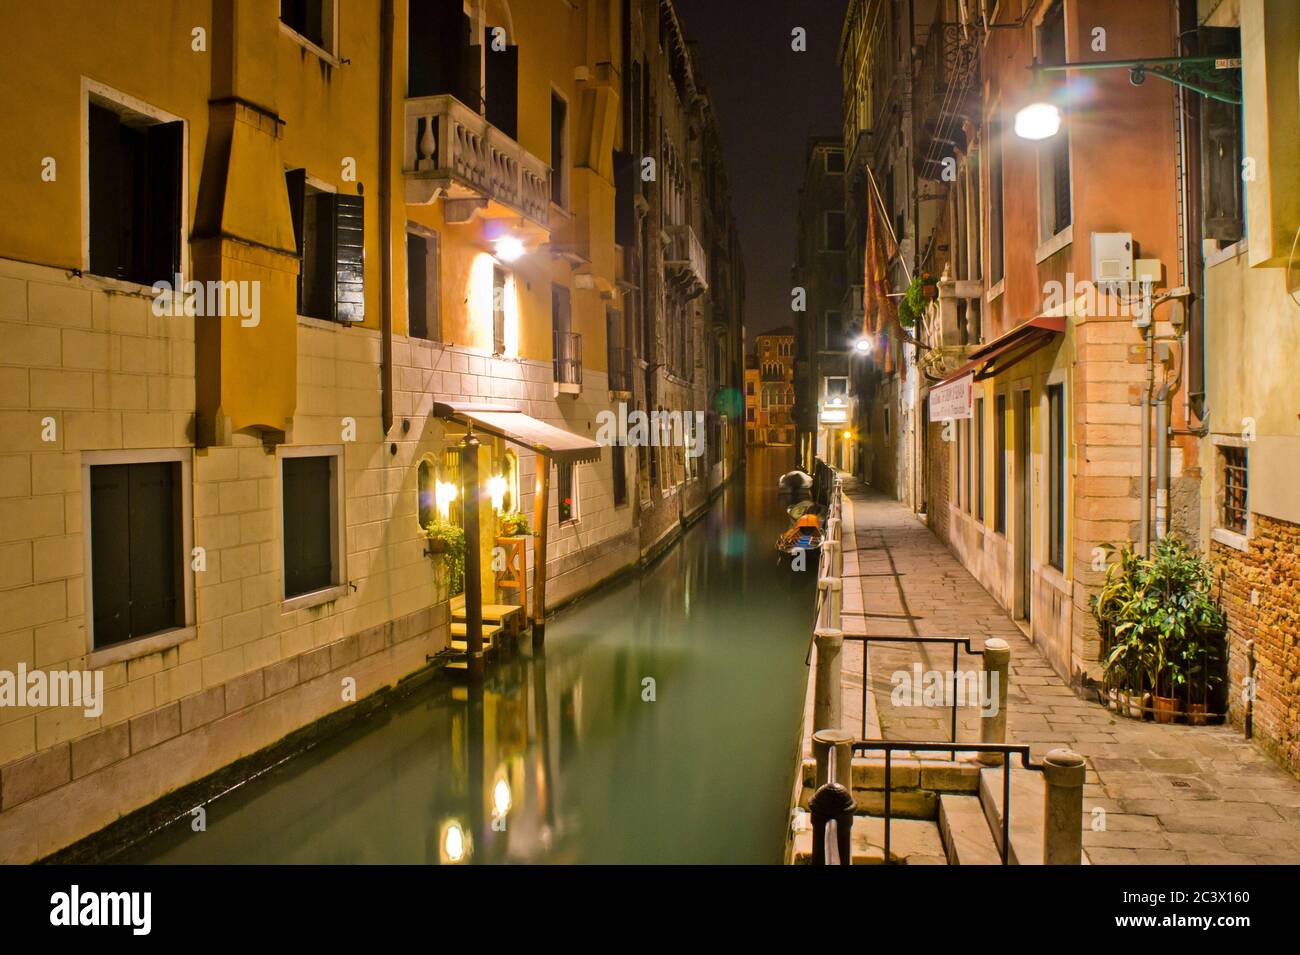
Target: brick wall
1261	596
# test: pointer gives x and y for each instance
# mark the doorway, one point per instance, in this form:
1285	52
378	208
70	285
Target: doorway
1024	508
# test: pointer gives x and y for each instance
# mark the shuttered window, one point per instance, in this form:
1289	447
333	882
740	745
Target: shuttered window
559	128
501	81
310	528
1221	152
329	230
137	564
566	490
1056	476
440	58
134	180
620	474
423	295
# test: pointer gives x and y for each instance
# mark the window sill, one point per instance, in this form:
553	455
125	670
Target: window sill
309	45
1055	244
1233	539
140	647
313	599
995	290
1226	254
563	388
105	283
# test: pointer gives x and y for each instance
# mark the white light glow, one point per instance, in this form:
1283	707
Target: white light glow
1038	121
509	248
444	494
496	487
501	797
453	843
862	345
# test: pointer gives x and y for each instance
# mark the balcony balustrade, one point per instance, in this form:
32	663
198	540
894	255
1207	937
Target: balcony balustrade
452	151
684	260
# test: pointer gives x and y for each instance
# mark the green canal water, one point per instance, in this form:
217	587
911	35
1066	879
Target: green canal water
590	771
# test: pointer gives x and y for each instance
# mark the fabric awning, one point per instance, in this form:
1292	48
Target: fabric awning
503	421
1005	350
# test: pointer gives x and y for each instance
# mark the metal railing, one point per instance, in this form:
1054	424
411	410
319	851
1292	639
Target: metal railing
1003	750
620	368
957	643
568	357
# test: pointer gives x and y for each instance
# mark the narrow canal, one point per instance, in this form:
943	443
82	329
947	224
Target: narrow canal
589	769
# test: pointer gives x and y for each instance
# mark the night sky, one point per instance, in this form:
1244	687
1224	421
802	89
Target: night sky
768	100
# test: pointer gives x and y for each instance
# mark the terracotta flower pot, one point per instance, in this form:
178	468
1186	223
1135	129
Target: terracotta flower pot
437	546
1166	708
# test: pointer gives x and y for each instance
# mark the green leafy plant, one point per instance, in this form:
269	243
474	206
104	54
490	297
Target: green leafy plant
514	525
916	299
1160	627
446	540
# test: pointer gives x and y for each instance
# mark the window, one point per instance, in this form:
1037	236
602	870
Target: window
498	310
311	19
834	162
749	414
619	465
424	319
1000	463
886	424
1235	515
501	80
1056	476
330	234
567	491
1221	139
1053	153
978	451
567	347
837	387
968	462
135	204
138	558
749	387
834	234
835	332
559	129
995	202
312	528
425	489
959	482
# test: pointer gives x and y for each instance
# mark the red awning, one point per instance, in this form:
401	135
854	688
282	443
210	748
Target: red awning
564	447
1005	350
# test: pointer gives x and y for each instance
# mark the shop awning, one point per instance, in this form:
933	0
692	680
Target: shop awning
1005	350
503	421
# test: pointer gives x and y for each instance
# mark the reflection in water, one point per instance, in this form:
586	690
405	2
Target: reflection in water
561	756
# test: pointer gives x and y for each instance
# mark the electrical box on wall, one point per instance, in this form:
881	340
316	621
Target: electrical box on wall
1112	257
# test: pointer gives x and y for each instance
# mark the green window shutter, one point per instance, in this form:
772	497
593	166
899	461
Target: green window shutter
349	258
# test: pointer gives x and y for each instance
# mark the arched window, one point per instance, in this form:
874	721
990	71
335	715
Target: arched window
424	489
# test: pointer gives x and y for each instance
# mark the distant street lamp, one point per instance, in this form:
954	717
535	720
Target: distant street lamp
862	346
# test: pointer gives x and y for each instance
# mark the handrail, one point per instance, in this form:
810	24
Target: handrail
889	747
956	642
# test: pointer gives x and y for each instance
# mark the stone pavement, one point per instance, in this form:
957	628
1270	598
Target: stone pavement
1170	794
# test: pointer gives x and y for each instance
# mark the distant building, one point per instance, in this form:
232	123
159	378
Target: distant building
776	385
822	410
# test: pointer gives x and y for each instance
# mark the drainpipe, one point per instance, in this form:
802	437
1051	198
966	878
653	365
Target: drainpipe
1144	495
386	212
1162	461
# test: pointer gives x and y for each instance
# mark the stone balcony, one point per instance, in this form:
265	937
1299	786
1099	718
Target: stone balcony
684	260
453	153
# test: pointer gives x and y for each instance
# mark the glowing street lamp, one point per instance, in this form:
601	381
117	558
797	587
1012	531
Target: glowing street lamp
1038	120
509	248
862	346
453	847
496	488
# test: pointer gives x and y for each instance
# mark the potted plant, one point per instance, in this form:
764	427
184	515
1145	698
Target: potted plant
513	525
1161	631
446	540
917	298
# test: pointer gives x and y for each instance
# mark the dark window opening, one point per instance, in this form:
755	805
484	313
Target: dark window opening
1235	486
1056	475
1000	463
620	475
309	524
311	19
564	490
559	122
422	287
137	564
329	230
501	81
135	196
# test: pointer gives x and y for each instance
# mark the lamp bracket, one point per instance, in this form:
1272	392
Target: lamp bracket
1215	77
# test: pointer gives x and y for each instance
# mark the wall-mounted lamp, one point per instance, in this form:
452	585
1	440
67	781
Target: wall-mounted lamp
509	248
496	488
862	346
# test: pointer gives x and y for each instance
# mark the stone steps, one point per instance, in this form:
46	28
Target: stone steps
911	842
967	838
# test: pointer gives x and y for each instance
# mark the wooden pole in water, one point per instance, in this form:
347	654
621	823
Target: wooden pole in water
469	446
541	511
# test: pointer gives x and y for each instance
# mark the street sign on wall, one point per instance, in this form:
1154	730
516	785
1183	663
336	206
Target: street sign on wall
953	399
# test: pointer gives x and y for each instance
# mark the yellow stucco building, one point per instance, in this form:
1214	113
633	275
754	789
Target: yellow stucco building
216	494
